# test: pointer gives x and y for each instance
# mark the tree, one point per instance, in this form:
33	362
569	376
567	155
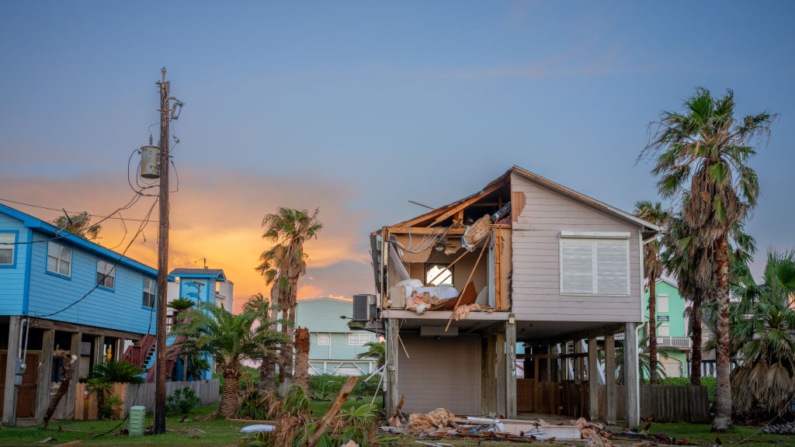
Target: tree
181	304
79	225
282	265
704	152
375	350
302	358
266	315
67	367
652	269
761	334
229	338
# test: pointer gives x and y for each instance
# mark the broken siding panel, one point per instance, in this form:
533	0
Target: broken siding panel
536	259
440	373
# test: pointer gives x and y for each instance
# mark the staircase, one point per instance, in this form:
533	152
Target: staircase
143	355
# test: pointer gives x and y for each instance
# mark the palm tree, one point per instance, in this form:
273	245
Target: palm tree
282	265
652	269
79	225
681	259
229	338
375	350
181	304
763	324
705	151
267	316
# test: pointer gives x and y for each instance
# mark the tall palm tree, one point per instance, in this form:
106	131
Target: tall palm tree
282	265
763	324
705	151
79	225
267	316
229	338
652	269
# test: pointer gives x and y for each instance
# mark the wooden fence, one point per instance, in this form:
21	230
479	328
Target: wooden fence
87	406
144	394
667	403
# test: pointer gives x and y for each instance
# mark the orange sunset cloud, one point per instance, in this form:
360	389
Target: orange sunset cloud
217	216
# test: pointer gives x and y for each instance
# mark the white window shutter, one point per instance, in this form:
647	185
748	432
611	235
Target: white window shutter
576	266
662	303
612	267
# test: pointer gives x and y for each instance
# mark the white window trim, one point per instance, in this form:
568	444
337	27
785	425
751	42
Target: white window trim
326	337
593	235
667	304
110	274
352	335
13	247
154	292
58	259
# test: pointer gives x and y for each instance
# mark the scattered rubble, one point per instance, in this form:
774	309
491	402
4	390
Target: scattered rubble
780	429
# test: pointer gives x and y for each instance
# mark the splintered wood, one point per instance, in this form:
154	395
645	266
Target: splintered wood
436	419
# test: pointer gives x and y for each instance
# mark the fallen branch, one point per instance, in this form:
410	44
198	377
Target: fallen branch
335	407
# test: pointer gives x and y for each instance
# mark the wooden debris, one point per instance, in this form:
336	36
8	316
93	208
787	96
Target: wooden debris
394	421
436	419
328	418
48	439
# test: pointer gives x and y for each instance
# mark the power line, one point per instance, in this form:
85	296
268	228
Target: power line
68	211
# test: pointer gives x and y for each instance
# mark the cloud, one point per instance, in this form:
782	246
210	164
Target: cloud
216	215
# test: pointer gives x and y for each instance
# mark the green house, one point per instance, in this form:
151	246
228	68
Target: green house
334	345
672	328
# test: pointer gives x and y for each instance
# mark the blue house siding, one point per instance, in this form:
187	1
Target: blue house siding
13	280
119	309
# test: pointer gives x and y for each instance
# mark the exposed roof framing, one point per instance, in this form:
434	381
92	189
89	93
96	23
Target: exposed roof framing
424	224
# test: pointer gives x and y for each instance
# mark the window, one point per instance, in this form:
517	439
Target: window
432	270
358	339
663	330
7	241
662	303
106	274
59	259
149	293
594	263
323	339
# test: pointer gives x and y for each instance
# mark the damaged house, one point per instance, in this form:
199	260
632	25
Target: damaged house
524	260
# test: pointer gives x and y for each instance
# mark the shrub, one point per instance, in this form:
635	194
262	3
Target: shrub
182	401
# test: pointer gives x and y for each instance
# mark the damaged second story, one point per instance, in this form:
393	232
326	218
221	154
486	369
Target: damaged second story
524	245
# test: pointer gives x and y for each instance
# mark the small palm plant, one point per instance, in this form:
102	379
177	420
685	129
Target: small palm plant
181	304
762	324
375	350
230	339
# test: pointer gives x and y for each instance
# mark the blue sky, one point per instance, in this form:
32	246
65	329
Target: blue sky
357	107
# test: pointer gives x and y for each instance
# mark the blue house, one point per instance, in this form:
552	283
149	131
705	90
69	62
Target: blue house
333	345
62	292
200	286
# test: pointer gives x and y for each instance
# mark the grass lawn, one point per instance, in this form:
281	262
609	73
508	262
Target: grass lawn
217	432
319	408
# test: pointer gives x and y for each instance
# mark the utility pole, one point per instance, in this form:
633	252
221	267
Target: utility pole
162	261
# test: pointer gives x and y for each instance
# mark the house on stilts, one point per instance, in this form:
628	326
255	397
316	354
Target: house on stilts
523	260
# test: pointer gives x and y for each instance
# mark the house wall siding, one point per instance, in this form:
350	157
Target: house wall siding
536	259
676	309
120	309
442	373
338	349
12	279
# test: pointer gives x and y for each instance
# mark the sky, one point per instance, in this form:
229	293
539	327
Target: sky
355	108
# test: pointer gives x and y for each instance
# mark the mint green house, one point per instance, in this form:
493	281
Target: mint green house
334	345
672	328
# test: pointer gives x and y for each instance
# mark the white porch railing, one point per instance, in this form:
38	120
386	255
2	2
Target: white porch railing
674	342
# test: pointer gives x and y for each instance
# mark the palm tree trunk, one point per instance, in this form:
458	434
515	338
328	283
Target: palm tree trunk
63	388
652	331
267	370
230	393
723	397
695	336
286	373
302	358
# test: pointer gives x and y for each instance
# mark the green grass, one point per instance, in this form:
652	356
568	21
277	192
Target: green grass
320	408
701	433
217	432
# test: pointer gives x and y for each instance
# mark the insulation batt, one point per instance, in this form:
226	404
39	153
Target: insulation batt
438	418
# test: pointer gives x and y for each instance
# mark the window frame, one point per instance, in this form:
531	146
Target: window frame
667	328
351	336
59	259
430	265
593	237
146	292
111	274
15	236
667	303
326	337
